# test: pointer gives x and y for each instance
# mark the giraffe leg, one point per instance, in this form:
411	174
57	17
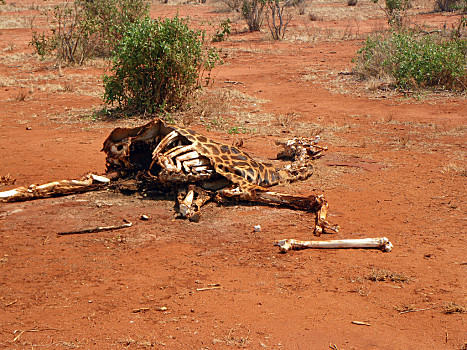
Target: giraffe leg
316	204
191	202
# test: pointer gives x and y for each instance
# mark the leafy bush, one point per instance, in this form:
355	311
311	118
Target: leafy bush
224	31
70	38
450	5
157	65
414	61
82	29
111	18
395	10
252	13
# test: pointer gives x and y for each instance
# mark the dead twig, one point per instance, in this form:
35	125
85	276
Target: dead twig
21	332
415	310
360	323
13	302
95	229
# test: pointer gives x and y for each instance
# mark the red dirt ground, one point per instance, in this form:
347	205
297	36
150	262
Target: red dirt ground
396	167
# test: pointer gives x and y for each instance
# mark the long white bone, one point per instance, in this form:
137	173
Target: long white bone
56	188
373	243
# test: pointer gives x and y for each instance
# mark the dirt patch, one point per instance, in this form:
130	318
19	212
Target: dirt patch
395	168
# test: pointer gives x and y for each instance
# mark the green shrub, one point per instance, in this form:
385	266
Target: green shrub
252	13
414	61
450	6
82	29
111	18
223	32
157	65
395	10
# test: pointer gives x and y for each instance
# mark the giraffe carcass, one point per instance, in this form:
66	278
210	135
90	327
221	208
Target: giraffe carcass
201	169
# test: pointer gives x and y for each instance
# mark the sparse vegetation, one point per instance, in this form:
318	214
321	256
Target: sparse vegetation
252	12
405	308
82	29
451	307
21	96
395	10
157	65
413	61
455	169
278	16
233	5
223	32
378	275
449	5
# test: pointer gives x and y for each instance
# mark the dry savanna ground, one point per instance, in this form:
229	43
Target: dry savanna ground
396	167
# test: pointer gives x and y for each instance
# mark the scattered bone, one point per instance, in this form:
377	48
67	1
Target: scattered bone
96	229
360	323
208	288
370	243
141	309
91	182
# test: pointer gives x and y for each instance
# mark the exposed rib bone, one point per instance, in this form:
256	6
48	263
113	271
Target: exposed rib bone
165	142
196	165
370	243
174	152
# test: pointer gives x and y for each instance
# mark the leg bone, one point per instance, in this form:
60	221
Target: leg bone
189	206
316	204
373	243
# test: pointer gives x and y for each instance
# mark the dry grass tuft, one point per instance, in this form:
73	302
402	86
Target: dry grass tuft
455	169
237	337
207	105
21	96
378	275
451	307
5	81
405	308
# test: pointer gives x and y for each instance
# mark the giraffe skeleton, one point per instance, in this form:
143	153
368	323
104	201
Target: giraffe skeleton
202	169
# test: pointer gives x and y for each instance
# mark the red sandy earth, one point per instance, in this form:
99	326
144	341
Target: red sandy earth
392	170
